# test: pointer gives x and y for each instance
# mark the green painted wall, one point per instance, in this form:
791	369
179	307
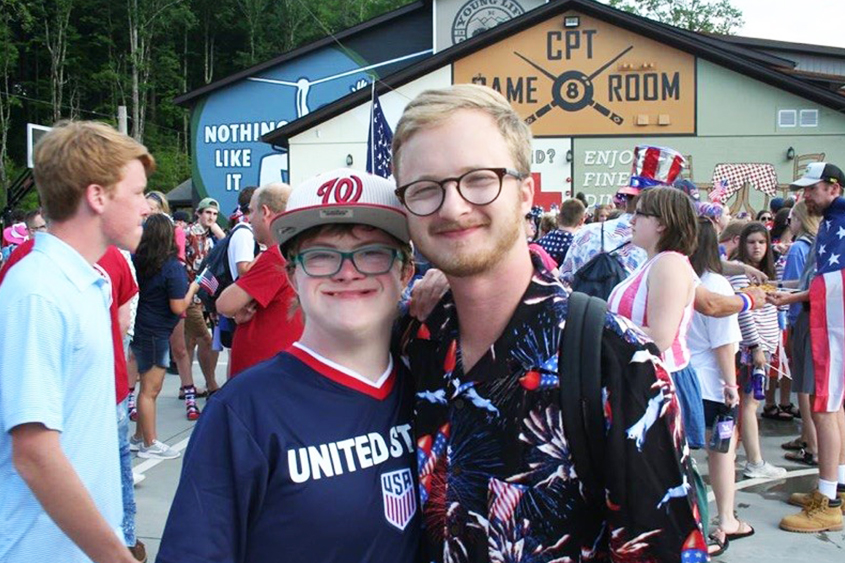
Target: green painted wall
732	104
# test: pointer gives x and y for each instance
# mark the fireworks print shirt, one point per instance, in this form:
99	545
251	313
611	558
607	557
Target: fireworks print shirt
497	481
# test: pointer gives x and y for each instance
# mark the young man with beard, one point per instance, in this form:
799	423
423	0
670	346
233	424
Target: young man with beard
495	469
61	485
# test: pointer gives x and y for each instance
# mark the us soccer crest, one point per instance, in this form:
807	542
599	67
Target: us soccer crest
399	497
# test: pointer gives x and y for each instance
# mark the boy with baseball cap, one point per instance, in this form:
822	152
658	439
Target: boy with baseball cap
308	456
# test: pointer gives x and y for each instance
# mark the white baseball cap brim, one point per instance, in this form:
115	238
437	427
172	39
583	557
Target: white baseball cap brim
342	196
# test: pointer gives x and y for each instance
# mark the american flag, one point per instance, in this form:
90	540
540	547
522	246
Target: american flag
207	281
506	497
379	141
827	309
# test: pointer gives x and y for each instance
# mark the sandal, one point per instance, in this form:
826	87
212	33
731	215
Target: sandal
791	409
715	545
773	412
794	445
802	456
738	535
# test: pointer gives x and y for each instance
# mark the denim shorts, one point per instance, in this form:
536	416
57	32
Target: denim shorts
688	392
150	351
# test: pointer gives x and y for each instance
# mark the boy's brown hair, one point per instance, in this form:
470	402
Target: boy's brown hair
76	154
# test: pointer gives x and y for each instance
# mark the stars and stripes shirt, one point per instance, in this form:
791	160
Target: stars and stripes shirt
588	242
556	243
827	317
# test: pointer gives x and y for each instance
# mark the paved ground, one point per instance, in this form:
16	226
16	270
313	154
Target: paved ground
761	503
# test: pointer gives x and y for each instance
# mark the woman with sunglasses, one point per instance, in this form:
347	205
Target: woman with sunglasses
658	296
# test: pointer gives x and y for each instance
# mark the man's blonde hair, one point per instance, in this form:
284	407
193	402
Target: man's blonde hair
77	154
433	107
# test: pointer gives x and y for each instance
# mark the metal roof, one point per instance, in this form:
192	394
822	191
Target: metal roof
749	62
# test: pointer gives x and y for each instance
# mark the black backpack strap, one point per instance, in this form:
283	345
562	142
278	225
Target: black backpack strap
579	368
627	242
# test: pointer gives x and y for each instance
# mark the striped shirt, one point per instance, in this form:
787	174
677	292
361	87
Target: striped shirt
758	327
630	299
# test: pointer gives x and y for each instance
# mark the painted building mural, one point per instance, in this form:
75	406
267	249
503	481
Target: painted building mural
227	124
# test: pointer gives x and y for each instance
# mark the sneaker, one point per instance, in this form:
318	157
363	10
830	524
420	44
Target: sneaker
763	471
139	552
817	516
158	450
137	478
135	443
802	499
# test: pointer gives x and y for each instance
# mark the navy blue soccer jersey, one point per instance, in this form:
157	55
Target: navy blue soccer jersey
297	460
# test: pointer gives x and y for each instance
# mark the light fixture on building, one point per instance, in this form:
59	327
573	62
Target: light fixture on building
571	21
790	153
569	155
348	160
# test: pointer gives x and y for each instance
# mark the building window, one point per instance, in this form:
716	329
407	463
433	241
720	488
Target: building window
787	118
808	118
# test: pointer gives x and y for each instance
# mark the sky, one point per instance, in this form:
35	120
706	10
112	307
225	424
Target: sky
817	22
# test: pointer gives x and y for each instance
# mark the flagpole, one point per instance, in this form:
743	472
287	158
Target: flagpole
372	126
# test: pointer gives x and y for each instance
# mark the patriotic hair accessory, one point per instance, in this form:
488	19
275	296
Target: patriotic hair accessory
710	210
654	166
342	196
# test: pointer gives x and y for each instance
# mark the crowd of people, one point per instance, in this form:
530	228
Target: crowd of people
388	397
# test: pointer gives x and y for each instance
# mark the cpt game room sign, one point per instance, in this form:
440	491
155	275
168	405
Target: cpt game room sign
574	75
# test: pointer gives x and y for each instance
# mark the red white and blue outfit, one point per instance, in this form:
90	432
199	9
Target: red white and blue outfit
630	300
299	459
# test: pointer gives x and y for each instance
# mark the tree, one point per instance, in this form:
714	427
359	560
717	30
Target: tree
710	16
56	20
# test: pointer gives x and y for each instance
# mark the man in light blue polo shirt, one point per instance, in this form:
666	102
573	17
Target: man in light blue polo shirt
60	495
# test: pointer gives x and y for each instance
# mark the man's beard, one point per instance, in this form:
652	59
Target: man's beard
466	262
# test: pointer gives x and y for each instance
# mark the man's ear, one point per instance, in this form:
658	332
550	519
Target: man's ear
526	194
407	272
95	197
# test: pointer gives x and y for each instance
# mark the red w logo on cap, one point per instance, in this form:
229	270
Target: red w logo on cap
341	190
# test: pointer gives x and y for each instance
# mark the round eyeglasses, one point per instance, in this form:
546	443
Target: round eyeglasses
479	187
327	262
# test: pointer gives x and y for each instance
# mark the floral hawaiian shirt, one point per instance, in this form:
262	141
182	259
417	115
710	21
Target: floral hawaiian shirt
497	480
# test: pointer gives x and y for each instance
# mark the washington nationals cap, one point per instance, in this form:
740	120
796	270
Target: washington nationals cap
817	172
342	196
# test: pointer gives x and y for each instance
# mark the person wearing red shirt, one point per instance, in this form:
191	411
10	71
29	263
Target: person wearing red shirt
260	300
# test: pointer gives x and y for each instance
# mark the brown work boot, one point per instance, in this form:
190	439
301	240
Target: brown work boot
801	499
139	552
816	516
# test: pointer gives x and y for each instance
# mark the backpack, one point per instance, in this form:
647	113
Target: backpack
579	368
215	274
601	273
581	402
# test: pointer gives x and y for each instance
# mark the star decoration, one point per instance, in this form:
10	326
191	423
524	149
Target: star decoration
840	233
834	259
821	249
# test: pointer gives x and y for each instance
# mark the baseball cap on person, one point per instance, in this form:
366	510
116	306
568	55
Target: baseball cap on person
342	196
208	202
817	172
